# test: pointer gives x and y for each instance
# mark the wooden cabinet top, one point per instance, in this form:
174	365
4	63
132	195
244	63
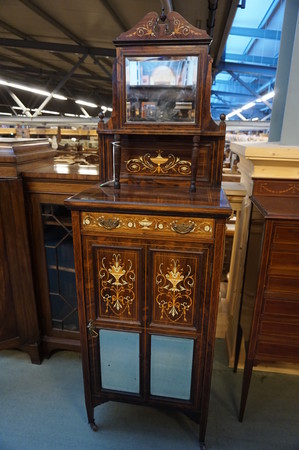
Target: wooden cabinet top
160	200
274	207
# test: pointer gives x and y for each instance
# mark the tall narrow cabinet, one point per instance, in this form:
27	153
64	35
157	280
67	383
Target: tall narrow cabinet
149	238
269	312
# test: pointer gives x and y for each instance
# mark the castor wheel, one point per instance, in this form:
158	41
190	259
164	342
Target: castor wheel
93	426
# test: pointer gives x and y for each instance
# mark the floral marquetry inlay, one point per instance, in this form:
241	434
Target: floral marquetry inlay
159	165
175	285
117	285
172	26
138	224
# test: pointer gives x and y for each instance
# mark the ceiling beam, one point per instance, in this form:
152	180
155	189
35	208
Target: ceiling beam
258	33
55	47
50	19
250	69
168	5
59	86
273	8
31	58
27	38
13	30
228	24
7	103
31	70
19	103
122	24
231	94
40	12
252	91
264	60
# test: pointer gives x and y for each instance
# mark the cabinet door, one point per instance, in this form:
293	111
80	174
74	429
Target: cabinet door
147	306
115	294
177	295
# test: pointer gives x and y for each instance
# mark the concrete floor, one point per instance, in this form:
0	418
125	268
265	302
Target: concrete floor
42	407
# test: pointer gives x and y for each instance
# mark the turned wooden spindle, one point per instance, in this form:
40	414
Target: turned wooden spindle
194	162
116	156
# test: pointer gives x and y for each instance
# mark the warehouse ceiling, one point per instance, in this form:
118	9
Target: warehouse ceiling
64	48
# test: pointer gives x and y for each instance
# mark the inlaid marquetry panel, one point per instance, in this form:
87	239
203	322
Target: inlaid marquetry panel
175	291
117	283
276	187
143	224
151	27
158	164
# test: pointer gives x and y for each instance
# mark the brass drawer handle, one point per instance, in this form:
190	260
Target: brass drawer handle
91	330
109	224
183	228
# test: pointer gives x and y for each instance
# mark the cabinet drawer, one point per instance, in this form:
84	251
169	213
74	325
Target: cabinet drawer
286	235
284	350
284	286
284	263
141	225
279	327
283	306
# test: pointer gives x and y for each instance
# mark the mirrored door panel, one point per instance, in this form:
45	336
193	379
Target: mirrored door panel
171	367
119	359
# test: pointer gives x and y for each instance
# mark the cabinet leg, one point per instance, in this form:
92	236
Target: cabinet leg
245	386
202	431
238	347
34	352
90	416
93	425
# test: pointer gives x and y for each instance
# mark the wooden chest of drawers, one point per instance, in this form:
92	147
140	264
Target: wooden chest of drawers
269	317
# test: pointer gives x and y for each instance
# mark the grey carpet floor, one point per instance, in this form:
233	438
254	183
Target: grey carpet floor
42	407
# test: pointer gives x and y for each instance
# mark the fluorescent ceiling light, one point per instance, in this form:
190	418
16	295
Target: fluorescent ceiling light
84	103
236	112
105	108
59	97
5	114
85	113
70	115
266	97
46	111
233	113
33	90
247	106
250	105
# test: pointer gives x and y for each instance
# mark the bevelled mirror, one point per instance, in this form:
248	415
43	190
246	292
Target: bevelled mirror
161	88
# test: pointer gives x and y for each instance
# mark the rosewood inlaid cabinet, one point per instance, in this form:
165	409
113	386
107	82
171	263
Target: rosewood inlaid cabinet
149	238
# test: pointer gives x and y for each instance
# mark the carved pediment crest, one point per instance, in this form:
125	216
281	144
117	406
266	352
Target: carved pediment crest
163	28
